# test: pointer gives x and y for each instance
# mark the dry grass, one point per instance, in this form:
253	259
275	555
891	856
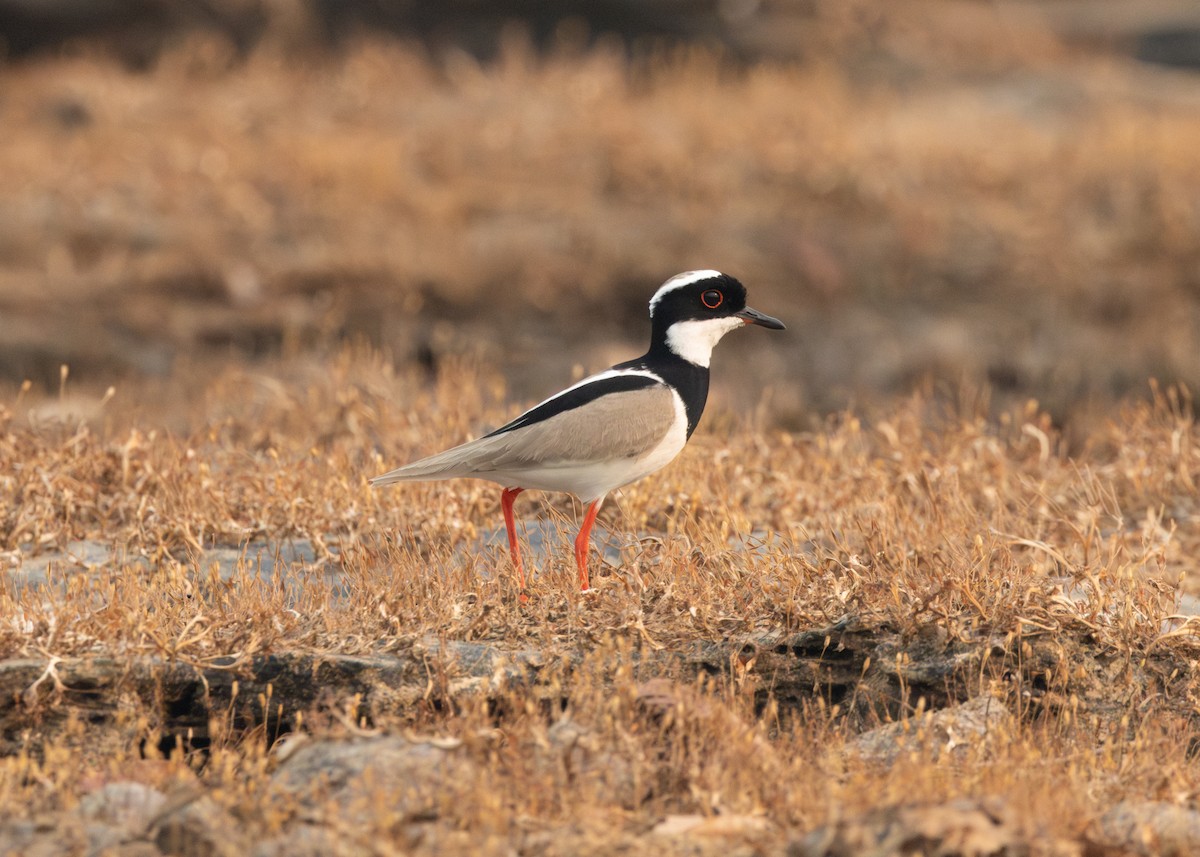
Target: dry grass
945	510
984	209
927	516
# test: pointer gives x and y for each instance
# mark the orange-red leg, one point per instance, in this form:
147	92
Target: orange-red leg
506	504
583	542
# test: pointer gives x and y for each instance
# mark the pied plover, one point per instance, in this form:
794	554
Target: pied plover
611	428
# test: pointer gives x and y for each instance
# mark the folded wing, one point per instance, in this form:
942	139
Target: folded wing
614	424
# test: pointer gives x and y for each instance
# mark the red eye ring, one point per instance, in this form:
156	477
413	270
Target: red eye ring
712	298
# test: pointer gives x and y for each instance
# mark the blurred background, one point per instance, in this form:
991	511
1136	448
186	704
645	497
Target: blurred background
956	194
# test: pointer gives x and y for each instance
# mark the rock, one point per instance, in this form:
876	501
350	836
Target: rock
55	835
125	805
117	813
139	848
102	838
308	840
952	730
963	828
577	755
17	836
569	842
414	779
717	826
201	828
1148	827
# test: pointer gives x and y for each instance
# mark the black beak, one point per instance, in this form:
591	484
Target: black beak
753	316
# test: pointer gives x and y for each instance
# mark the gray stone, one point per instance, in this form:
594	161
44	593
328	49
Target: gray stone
1186	611
138	848
51	836
1149	828
577	755
964	828
15	836
201	828
413	779
308	840
129	806
951	730
103	837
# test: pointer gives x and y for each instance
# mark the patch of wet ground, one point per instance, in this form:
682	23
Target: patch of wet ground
872	671
288	560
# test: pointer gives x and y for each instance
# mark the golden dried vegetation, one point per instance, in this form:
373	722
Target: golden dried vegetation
786	620
928	522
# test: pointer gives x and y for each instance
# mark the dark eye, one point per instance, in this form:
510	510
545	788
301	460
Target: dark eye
712	298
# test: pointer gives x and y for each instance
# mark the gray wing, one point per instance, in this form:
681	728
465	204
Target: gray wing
619	425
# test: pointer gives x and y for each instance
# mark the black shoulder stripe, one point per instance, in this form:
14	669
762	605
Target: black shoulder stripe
577	397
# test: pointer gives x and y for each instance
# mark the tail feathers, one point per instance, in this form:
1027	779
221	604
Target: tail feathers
465	460
418	471
539	445
403	474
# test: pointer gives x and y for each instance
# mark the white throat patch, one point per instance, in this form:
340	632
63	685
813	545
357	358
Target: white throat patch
678	282
694	340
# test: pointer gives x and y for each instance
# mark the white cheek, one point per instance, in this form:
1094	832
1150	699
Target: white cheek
694	340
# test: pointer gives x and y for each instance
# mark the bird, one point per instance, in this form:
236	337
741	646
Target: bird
611	428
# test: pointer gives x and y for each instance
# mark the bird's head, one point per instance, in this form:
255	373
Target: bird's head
692	311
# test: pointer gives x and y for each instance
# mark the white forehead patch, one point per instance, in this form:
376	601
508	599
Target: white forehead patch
694	340
679	281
